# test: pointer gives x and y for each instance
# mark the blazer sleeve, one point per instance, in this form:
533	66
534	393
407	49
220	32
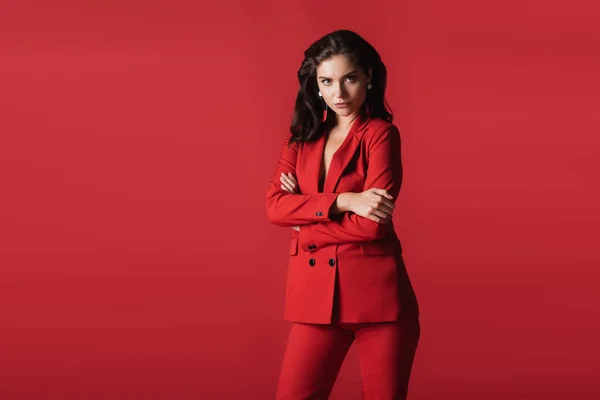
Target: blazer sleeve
289	209
385	172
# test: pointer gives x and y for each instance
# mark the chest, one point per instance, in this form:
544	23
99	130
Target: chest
332	163
332	144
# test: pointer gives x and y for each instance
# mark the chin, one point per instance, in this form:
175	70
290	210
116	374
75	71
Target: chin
345	112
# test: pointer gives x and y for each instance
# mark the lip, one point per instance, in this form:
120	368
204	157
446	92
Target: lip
341	105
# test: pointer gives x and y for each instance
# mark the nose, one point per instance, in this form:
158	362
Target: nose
340	91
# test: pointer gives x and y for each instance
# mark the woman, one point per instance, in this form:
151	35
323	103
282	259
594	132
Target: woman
336	183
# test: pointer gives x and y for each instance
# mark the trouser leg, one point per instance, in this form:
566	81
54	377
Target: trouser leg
312	360
386	352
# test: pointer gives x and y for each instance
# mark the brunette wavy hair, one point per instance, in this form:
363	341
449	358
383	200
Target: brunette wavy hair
307	123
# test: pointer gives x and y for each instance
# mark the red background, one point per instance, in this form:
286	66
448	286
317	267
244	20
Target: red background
137	140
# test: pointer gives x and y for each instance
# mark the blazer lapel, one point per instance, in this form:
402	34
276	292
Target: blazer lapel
311	158
342	156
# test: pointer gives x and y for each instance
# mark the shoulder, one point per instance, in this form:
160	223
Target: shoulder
378	130
290	142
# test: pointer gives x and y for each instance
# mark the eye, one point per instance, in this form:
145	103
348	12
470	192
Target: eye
351	78
325	81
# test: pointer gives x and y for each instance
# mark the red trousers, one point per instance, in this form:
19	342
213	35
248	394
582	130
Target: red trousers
315	353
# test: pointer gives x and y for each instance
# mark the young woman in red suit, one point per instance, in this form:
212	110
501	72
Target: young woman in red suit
336	183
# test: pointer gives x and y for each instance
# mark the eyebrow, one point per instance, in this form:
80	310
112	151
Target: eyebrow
349	73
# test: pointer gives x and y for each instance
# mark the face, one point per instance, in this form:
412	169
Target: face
343	85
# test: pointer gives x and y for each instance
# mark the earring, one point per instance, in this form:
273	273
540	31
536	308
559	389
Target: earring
369	86
324	118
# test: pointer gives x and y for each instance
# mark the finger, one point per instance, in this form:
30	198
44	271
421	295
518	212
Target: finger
286	186
380	200
291	188
385	209
289	176
374	211
377	219
288	180
382	192
388	202
381	214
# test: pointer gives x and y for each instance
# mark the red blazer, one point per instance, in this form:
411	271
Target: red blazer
364	256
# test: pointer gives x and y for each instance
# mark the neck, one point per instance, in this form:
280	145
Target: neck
345	122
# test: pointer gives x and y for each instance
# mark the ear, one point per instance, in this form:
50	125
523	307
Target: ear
370	74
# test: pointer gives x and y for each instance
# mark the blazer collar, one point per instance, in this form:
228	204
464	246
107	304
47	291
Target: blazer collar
340	158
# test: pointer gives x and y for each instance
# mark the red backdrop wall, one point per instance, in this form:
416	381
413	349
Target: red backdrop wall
137	140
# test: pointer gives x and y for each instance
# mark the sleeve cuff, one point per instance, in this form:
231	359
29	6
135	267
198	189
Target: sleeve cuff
327	201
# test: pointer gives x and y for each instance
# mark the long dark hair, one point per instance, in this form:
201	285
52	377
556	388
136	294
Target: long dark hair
307	121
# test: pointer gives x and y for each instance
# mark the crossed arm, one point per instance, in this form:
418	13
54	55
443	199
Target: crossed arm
317	214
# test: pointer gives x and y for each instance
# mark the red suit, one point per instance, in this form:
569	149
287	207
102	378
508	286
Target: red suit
346	275
364	256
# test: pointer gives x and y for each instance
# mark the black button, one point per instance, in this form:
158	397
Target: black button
319	213
312	246
312	262
331	262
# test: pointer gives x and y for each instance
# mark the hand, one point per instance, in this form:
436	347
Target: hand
375	204
289	183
